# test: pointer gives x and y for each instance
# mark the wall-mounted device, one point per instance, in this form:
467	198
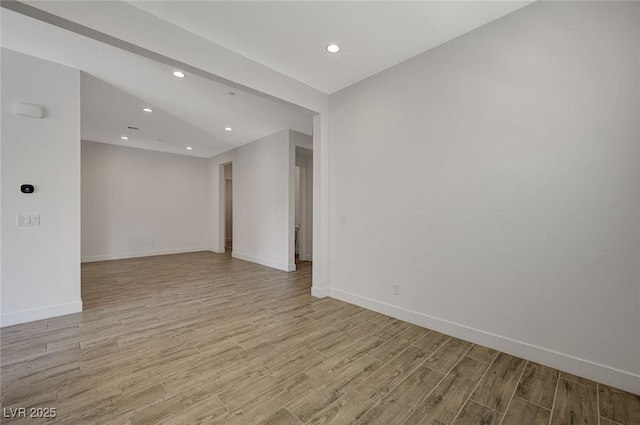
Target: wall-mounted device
27	188
28	110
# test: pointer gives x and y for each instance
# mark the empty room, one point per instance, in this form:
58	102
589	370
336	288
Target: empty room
320	212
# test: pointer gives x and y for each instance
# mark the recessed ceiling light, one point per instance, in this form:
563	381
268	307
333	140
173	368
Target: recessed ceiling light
124	138
333	48
147	109
189	148
228	128
179	74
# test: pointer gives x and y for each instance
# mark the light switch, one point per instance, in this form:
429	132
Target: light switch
28	220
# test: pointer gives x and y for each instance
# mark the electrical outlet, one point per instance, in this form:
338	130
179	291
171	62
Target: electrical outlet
396	288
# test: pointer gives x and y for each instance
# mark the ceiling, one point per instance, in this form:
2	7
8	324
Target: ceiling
116	85
289	37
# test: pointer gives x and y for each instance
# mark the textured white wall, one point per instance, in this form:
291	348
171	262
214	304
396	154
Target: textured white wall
40	264
137	203
496	178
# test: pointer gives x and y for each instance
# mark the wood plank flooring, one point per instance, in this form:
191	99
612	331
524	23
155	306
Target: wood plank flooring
203	338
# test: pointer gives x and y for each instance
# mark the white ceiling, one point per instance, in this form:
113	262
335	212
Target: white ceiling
193	111
290	36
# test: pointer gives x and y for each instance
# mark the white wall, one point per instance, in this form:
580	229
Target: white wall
497	180
40	264
137	203
261	201
237	69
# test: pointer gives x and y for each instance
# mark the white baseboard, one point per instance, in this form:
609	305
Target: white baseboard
105	257
577	366
268	263
218	250
24	316
320	292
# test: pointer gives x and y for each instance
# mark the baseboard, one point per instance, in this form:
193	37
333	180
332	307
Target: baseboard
218	250
24	316
268	263
577	366
320	292
105	257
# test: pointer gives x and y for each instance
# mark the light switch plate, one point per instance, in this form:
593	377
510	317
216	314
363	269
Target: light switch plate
28	220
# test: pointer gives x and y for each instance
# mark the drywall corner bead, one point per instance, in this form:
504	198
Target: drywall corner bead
28	110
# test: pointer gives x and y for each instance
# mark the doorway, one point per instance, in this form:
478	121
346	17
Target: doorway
303	222
226	190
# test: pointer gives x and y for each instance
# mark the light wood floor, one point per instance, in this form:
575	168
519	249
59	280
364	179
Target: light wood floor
206	339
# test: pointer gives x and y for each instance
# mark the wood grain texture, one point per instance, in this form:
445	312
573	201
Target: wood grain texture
619	406
415	387
420	418
399	343
482	354
499	383
432	341
346	410
578	379
604	421
575	404
388	376
448	355
538	384
385	412
281	417
204	338
522	412
475	414
450	395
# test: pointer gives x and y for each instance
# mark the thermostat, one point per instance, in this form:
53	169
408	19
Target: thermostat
27	188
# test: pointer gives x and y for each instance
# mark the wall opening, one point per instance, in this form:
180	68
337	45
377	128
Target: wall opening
303	222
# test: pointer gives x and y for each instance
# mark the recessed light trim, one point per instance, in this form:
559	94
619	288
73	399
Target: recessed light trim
189	148
228	128
147	110
332	48
124	137
179	74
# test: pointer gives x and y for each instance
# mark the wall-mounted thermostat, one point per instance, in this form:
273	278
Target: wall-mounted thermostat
27	188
